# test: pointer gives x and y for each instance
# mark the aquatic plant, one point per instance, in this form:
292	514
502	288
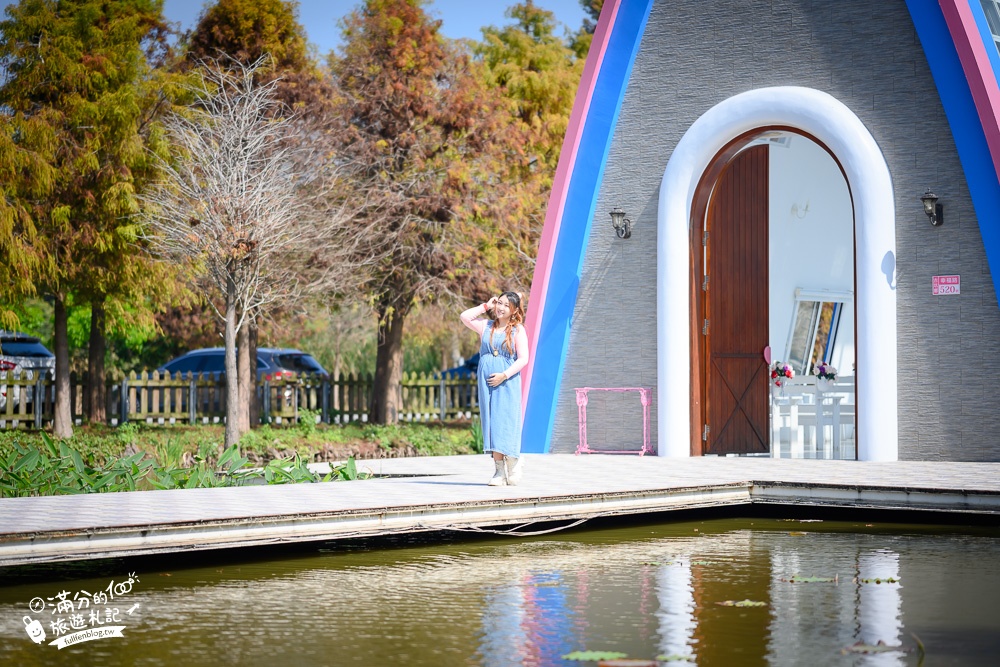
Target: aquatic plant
798	579
594	656
877	580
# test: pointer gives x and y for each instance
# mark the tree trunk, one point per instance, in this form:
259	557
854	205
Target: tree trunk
95	400
254	402
62	423
388	370
246	380
232	377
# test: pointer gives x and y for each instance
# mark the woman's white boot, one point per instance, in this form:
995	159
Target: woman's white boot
515	469
500	476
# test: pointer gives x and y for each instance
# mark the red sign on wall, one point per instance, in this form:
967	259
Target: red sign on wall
946	285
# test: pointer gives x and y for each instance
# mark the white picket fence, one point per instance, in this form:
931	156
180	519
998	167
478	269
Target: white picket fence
27	400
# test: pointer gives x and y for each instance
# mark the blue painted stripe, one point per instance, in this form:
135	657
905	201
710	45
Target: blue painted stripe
581	199
963	118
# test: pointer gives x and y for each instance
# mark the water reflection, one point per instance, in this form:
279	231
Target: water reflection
852	610
879	604
676	616
644	591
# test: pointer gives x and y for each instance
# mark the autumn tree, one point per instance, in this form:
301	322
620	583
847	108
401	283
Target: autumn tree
580	42
79	98
27	144
422	138
593	9
537	73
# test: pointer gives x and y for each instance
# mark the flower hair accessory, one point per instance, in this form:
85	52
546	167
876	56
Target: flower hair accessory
780	372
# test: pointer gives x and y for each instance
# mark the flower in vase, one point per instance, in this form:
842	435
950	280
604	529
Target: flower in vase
825	371
781	371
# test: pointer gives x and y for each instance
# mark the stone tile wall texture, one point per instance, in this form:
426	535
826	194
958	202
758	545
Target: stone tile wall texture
866	54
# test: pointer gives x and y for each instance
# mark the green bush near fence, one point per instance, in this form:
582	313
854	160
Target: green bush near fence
56	468
181	446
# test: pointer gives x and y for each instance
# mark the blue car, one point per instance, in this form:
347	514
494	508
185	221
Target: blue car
272	363
470	366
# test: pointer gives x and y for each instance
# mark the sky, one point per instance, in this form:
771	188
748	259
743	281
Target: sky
460	18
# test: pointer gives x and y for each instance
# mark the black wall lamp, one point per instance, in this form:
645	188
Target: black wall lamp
622	225
932	208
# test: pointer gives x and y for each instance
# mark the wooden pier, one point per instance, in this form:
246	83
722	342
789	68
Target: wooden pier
450	493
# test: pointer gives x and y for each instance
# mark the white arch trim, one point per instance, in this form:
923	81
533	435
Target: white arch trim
831	122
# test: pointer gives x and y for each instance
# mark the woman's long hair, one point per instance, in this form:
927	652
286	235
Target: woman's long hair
516	318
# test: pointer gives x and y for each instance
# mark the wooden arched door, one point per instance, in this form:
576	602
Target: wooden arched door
735	292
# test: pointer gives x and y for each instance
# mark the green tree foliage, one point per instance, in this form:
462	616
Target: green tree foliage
423	143
246	31
580	42
593	9
27	144
80	83
538	73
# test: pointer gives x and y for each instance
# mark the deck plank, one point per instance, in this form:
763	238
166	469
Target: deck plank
417	494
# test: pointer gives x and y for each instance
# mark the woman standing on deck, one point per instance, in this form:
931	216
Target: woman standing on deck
503	352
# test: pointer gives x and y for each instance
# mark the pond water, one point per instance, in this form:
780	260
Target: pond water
643	590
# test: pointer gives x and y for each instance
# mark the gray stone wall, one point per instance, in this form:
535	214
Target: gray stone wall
866	54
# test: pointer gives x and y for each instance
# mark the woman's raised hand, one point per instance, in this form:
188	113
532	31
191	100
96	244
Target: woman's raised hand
491	303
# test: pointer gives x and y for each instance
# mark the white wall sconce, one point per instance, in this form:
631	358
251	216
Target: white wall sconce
932	208
622	225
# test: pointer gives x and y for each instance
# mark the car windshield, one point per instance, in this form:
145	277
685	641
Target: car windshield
214	363
24	349
183	365
302	363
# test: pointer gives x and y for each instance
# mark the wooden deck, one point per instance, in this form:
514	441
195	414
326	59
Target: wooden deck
422	494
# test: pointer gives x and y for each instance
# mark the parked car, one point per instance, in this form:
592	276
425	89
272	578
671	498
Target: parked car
470	366
23	356
25	351
464	371
9	369
272	363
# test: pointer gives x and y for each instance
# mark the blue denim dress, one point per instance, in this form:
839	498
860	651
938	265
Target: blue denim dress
499	407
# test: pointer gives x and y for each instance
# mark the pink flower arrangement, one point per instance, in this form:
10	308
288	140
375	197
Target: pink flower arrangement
781	371
825	371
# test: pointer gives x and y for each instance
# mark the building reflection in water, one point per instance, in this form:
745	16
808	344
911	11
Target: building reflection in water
544	607
676	617
527	622
504	638
879	604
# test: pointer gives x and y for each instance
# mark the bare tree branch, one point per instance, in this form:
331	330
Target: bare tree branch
247	203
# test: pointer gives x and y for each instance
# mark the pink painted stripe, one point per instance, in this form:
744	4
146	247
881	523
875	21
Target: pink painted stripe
978	70
560	186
